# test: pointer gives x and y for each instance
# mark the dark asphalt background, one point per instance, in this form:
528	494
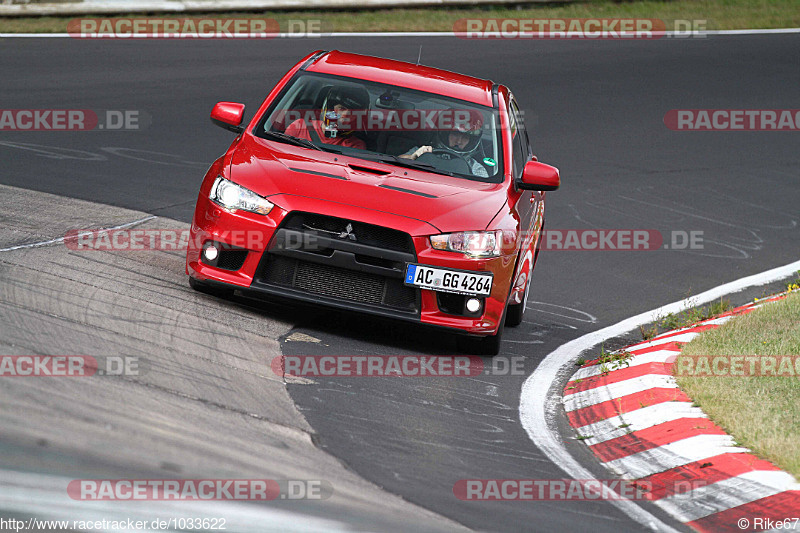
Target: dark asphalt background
595	110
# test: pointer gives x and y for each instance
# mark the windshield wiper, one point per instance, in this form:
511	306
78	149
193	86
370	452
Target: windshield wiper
289	139
407	163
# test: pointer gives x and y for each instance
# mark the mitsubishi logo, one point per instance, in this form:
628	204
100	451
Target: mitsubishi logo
348	233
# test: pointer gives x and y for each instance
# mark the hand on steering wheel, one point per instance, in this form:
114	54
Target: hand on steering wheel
422	150
441	153
418	152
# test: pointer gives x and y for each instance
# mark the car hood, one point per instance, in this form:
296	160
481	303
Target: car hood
449	204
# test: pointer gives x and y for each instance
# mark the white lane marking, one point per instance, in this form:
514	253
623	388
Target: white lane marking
147	156
588	318
540	396
751	32
717	321
61	239
678	453
681	337
638	420
301	337
55	152
726	494
450	34
658	356
298	380
616	390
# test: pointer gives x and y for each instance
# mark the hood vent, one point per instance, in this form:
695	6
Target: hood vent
368	170
409	191
315	173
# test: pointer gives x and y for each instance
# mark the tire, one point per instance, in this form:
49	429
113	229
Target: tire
516	311
207	288
488	346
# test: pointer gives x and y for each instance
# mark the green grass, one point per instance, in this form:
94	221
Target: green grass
720	14
761	413
613	360
693	315
648	332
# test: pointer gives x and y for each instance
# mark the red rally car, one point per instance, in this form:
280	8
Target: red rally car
377	186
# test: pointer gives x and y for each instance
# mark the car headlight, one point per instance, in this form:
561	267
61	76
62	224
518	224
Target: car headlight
232	196
471	243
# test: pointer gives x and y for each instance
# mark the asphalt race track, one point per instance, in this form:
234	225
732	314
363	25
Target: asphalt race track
596	111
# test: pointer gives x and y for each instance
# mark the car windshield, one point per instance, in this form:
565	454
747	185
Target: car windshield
386	123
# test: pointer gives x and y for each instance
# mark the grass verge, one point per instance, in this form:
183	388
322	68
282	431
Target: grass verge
696	314
761	413
720	14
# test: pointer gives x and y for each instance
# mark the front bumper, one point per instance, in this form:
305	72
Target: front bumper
299	254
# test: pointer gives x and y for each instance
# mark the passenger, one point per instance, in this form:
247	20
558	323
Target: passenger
461	141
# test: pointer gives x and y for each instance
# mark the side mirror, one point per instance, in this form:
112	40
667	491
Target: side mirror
539	177
228	115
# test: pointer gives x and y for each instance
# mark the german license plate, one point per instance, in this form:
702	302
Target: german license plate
447	280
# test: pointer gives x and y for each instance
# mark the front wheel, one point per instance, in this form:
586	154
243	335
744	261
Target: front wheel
516	311
489	345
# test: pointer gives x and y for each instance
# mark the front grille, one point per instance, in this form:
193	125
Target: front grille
337	282
308	256
368	234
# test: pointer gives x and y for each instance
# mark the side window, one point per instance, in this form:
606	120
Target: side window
523	130
519	140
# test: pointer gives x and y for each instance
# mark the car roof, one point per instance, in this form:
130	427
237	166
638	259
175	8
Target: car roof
409	75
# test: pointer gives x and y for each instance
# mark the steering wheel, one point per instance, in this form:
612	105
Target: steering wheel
445	160
441	153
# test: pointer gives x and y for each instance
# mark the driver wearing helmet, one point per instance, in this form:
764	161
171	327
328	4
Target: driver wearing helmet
460	141
336	115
